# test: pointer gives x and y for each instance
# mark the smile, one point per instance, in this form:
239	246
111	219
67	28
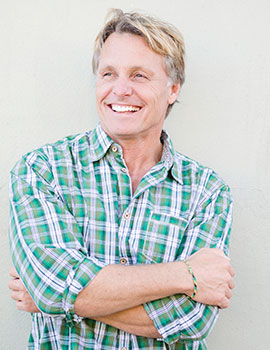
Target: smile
123	109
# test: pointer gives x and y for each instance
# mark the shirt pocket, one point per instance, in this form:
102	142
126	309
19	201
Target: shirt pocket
161	242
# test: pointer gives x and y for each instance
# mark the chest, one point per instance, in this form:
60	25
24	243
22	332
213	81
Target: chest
121	227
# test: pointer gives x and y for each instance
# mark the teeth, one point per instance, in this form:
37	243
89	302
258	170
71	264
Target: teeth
119	108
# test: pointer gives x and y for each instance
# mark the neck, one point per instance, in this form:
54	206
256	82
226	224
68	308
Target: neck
140	156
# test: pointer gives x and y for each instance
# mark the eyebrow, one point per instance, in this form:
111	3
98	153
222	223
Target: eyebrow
105	68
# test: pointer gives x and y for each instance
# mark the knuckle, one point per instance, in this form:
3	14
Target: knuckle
224	304
220	252
229	278
14	296
10	284
20	285
221	300
231	283
227	264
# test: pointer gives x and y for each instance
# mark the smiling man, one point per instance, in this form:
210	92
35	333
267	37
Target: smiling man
118	241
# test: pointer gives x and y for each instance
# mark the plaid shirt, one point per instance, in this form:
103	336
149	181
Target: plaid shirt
73	212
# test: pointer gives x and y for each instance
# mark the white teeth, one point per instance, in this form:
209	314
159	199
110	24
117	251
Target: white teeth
119	108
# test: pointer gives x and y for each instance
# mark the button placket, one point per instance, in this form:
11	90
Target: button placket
123	232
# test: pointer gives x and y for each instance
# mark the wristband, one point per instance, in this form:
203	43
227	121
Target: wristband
194	279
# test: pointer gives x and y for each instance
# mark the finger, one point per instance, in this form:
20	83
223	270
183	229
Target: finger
228	293
231	283
16	284
28	307
231	271
224	304
13	272
20	305
13	285
220	252
16	295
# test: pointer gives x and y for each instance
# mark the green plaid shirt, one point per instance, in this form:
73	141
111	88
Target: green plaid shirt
73	212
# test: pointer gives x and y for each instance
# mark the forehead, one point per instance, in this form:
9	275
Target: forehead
127	50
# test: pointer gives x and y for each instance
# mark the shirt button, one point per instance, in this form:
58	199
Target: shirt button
127	215
124	170
123	261
114	149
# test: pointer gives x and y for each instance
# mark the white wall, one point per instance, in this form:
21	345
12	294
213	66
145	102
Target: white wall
223	121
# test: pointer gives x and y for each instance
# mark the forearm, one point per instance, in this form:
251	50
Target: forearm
135	321
192	321
117	288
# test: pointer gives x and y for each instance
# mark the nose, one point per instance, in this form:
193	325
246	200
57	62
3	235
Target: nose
122	87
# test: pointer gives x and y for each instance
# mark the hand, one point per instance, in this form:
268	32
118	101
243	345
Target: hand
214	275
20	293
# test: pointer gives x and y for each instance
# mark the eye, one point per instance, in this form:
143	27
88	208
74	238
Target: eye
140	75
107	74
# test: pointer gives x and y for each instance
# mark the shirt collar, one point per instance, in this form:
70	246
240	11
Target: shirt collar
100	142
169	157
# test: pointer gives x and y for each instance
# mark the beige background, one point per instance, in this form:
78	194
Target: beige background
222	120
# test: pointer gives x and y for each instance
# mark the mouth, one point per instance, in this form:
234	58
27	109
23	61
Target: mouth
124	108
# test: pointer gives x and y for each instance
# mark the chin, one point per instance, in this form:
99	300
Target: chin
122	132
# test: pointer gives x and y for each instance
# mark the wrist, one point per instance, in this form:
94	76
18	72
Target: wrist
185	280
195	286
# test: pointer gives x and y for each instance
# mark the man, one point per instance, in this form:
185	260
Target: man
117	239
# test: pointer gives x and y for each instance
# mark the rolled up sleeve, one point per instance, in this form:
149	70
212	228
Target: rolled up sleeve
47	243
179	318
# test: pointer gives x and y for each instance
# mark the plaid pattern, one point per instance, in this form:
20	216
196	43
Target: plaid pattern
73	212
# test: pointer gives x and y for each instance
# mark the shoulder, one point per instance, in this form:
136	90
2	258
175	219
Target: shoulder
192	173
207	190
60	153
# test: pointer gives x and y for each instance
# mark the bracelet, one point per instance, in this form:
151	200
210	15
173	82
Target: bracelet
194	279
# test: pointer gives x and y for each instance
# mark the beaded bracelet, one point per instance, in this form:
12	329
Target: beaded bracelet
194	279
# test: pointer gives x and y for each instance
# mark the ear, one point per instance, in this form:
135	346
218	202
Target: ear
173	94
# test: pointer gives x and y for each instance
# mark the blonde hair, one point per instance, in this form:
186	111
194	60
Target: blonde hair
163	38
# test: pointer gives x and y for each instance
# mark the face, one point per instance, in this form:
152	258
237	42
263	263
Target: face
133	89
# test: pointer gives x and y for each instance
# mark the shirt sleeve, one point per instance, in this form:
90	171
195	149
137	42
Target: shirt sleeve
46	241
179	318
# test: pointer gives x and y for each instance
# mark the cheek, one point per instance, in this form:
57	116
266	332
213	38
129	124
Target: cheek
160	93
99	97
151	95
102	90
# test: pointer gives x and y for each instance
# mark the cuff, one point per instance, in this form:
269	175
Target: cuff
177	318
81	275
166	323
